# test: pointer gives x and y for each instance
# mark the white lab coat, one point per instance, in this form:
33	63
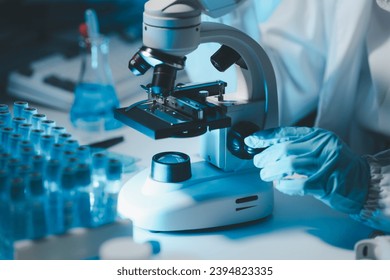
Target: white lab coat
324	53
332	56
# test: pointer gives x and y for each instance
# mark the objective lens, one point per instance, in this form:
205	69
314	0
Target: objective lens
138	65
163	81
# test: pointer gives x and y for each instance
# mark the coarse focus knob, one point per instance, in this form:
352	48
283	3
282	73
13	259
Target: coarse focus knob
235	140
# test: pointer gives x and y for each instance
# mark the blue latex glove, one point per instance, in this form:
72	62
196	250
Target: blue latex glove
302	160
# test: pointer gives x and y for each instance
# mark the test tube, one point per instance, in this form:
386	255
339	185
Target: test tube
16	122
24	172
47	126
6	240
85	202
57	152
38	207
5	117
46	145
26	155
56	131
5	134
99	178
12	167
84	153
63	137
113	186
52	176
69	198
4	158
26	144
14	142
18	108
36	120
38	163
4	107
4	180
72	162
25	130
71	145
99	163
18	209
28	112
35	138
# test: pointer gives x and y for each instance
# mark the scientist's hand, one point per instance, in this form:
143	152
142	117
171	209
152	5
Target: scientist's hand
302	160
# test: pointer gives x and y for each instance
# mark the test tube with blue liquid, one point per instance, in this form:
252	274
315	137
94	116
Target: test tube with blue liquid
57	151
5	117
72	162
12	167
35	138
4	159
52	176
56	131
14	143
99	178
63	137
16	122
5	134
37	119
69	198
46	145
6	239
84	153
26	155
86	199
38	163
18	108
28	112
24	172
18	209
113	186
24	130
38	207
4	107
47	126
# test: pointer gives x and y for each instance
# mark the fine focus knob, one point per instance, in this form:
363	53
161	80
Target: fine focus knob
171	167
235	140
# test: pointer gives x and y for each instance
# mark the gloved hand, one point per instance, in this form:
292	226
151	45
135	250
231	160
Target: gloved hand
313	161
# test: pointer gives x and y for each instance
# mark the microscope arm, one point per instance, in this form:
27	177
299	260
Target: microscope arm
259	75
255	106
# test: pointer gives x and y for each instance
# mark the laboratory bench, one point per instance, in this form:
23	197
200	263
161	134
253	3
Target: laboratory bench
299	228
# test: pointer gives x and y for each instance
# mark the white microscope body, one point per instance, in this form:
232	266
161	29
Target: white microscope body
225	188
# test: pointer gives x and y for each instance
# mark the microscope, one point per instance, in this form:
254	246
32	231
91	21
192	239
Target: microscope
224	188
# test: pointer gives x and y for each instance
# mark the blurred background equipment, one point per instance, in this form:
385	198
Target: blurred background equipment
39	45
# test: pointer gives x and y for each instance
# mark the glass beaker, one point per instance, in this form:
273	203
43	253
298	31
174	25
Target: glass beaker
95	97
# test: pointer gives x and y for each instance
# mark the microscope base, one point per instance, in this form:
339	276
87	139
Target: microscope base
210	198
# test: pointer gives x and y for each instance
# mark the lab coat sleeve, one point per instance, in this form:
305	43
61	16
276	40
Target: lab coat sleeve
376	210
